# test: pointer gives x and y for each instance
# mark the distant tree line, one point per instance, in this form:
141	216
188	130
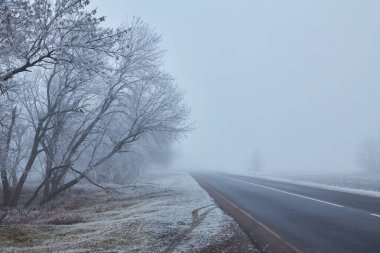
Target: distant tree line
78	100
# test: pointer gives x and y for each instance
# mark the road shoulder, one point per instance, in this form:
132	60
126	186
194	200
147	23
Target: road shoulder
167	213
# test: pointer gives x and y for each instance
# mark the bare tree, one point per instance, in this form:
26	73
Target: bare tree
151	152
43	32
5	144
74	121
257	161
151	106
368	156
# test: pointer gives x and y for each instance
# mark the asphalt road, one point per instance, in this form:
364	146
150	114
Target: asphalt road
310	219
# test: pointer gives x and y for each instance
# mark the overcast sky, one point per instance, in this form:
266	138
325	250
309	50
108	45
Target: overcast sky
299	80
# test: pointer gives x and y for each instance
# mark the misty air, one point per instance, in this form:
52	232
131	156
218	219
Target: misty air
189	126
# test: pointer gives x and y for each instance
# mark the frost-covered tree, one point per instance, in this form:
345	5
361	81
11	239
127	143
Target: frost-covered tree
85	95
257	161
152	152
40	33
368	156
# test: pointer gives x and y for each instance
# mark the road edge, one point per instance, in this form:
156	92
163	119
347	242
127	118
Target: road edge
267	240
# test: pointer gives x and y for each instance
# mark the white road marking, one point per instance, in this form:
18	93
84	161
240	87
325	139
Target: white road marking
377	215
256	221
294	194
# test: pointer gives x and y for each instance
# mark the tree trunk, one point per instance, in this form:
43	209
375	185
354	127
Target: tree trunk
49	165
33	155
4	160
24	175
6	188
14	178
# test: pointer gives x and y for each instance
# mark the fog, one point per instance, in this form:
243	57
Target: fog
297	80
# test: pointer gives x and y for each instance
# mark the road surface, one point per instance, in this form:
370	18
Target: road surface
309	219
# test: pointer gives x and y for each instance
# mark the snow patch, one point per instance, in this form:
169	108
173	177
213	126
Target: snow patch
352	184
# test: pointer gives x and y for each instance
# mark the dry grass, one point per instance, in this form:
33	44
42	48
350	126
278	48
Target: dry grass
149	218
